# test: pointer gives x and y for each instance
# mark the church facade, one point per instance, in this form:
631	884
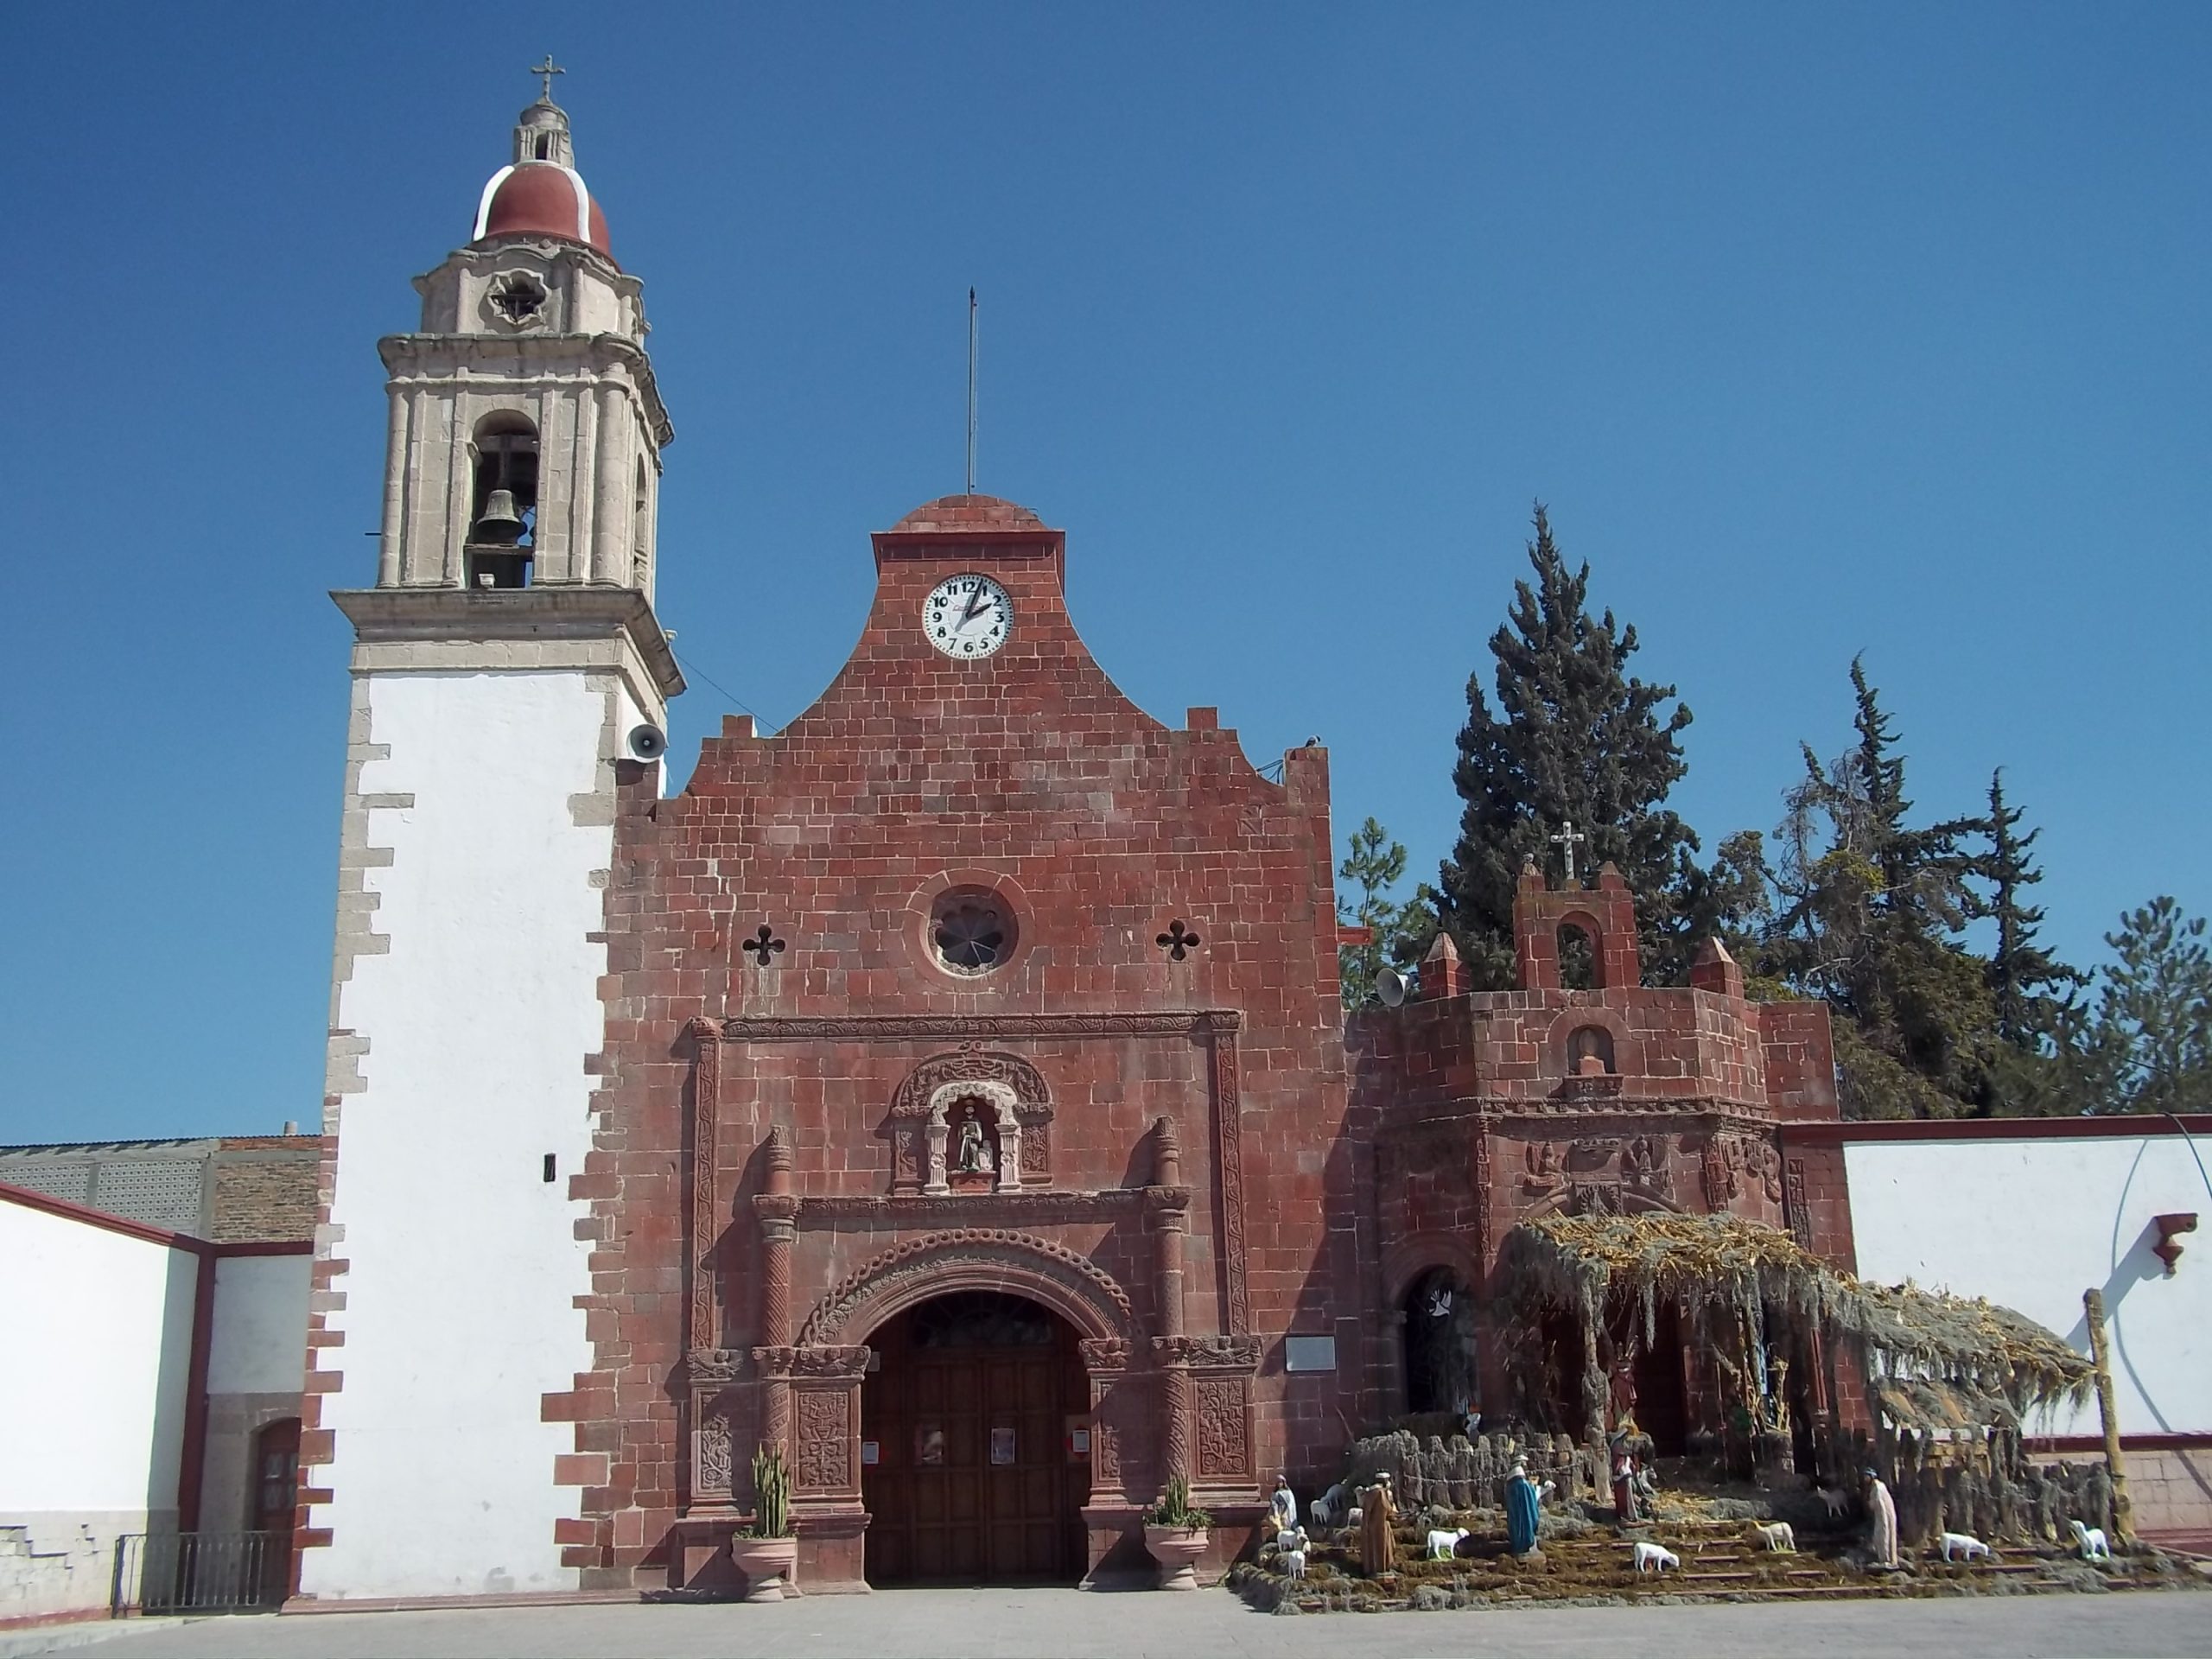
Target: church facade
951	1091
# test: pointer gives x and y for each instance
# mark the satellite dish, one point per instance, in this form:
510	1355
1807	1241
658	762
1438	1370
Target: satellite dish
1393	987
648	743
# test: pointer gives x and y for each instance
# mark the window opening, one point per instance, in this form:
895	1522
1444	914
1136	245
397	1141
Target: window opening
503	515
1578	959
971	931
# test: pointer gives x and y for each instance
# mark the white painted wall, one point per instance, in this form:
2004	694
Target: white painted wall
259	1340
96	1328
464	1266
2032	1222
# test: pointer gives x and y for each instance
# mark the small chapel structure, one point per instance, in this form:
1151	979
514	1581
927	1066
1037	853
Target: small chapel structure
951	1091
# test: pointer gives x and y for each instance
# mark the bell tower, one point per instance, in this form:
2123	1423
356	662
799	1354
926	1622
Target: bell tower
508	671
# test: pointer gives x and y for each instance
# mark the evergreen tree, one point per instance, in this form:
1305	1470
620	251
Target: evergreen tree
2022	975
1871	921
1397	933
2148	1047
1573	737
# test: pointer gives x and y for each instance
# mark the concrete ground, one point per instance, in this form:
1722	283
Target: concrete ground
1070	1624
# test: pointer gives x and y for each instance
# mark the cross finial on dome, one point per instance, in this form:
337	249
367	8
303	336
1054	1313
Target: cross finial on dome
548	70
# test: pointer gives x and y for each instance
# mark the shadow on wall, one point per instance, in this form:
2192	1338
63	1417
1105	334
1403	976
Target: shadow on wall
2131	1265
173	1391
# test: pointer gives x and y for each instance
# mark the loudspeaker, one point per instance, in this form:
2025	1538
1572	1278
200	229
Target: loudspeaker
1393	987
647	742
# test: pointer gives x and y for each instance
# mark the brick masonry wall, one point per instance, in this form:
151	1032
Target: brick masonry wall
1029	773
264	1188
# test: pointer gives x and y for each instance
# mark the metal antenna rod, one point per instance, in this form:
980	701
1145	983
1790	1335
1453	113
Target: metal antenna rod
971	391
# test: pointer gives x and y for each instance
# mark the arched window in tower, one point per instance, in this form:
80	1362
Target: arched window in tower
502	507
1578	966
640	534
545	146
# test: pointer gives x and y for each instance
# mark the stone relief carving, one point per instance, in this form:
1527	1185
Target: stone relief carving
711	1458
1105	1353
927	1255
1224	1447
713	1367
825	1439
948	1085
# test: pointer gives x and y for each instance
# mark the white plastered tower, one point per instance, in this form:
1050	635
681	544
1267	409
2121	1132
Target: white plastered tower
505	663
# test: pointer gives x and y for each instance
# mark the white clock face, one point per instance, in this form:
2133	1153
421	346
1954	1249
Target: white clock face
967	616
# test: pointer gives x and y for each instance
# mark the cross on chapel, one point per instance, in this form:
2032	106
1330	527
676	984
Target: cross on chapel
1564	840
547	69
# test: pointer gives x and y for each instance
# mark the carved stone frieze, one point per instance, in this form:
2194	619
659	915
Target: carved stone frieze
941	1209
978	1027
842	1360
713	1368
1209	1353
927	1256
711	1458
1105	1354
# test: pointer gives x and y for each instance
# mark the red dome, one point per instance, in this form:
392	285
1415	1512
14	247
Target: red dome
955	512
541	199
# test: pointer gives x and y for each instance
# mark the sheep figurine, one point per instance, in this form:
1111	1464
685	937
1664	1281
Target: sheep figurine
1293	1547
1834	1500
1778	1535
2092	1542
1354	1516
1443	1546
1655	1558
1958	1545
1288	1537
1328	1509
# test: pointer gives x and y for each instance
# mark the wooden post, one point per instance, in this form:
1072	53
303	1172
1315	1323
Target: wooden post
2123	1511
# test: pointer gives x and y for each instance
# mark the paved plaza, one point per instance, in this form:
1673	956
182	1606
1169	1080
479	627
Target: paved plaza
1069	1624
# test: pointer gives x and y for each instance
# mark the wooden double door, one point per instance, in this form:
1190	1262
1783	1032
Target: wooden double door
974	1445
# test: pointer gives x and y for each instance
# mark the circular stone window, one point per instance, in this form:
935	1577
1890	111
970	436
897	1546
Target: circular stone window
971	931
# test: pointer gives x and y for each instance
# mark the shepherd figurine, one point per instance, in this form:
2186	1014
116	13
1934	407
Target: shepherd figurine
1378	1543
1522	1501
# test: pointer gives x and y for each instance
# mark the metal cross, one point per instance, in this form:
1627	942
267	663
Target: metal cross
1566	840
547	69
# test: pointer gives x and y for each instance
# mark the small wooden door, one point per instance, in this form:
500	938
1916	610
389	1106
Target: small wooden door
977	1478
276	1500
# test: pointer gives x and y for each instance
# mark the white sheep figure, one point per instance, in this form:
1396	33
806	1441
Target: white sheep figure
1834	1499
1329	1506
1288	1537
1443	1546
1958	1545
1354	1516
2092	1542
1779	1536
1655	1558
1293	1561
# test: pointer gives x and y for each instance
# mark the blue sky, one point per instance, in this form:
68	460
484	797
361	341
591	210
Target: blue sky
1822	330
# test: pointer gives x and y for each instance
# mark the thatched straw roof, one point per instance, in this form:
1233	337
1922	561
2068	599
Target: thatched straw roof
1940	1355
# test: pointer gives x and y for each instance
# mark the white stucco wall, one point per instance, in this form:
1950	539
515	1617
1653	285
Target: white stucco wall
2032	1222
259	1342
96	1328
459	1302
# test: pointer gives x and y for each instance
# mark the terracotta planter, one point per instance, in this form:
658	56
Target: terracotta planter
1177	1549
768	1564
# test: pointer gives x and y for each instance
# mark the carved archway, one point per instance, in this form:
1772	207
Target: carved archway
973	1258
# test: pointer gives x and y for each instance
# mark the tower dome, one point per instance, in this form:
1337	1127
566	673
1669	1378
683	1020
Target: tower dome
540	192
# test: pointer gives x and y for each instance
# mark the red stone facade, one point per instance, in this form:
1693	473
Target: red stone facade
1156	1063
1175	1152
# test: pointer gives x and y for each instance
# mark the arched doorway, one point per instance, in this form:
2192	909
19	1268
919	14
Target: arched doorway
1439	1344
971	1468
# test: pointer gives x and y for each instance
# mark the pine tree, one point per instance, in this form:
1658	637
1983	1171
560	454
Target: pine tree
2148	1048
1872	913
1573	737
2022	975
1397	933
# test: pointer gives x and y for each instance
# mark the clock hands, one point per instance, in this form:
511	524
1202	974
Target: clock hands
975	601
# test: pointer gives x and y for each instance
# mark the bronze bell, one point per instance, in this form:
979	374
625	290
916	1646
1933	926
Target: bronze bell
501	525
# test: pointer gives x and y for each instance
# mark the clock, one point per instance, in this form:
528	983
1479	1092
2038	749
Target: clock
967	616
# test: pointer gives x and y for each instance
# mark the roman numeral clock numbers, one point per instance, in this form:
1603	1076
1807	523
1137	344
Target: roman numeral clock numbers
967	617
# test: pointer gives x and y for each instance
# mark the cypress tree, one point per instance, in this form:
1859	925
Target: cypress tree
2022	975
1573	737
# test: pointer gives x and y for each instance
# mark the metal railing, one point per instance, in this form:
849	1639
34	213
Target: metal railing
168	1573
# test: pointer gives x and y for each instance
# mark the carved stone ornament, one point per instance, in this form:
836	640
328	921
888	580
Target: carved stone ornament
930	1258
710	1479
711	1368
841	1361
1225	1445
1231	1353
516	298
1018	1104
825	1439
1105	1353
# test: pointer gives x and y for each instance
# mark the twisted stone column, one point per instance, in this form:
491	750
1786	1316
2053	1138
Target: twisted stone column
778	1209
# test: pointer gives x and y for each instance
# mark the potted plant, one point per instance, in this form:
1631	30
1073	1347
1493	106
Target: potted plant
1176	1535
766	1552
